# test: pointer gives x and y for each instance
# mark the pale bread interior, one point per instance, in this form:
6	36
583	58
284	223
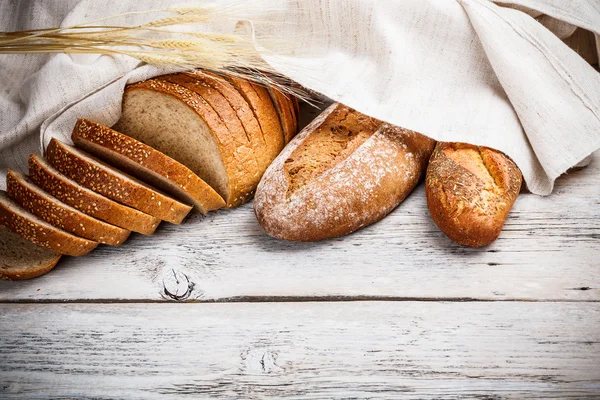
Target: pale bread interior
143	173
170	126
20	257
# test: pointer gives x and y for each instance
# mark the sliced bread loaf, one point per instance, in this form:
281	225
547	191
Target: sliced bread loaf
92	173
246	155
21	259
180	123
261	105
70	192
256	137
147	164
59	214
38	231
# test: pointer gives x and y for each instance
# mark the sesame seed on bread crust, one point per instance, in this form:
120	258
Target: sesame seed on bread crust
59	214
70	192
37	231
110	182
146	163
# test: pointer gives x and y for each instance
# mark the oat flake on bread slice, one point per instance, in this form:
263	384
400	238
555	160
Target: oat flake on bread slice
94	174
59	214
38	231
22	259
85	200
146	163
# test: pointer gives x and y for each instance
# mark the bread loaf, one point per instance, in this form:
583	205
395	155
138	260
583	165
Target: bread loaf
260	103
21	259
166	115
38	231
85	200
146	163
342	172
470	191
110	182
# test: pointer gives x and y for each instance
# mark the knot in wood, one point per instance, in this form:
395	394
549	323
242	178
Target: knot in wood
177	285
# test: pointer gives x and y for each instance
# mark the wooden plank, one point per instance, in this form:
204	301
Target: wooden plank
301	350
549	250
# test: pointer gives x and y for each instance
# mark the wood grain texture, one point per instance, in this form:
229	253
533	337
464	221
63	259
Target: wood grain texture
549	250
411	350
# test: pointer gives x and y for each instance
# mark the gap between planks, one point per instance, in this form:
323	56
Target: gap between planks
301	299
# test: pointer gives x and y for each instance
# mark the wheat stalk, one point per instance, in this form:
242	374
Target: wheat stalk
156	42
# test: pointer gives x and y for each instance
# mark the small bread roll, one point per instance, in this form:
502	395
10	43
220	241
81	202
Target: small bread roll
470	191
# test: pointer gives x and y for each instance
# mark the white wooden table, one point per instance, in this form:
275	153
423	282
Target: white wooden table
214	308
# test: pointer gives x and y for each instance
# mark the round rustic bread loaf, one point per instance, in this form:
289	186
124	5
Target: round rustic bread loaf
344	171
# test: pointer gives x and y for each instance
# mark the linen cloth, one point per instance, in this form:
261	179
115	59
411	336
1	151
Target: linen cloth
489	73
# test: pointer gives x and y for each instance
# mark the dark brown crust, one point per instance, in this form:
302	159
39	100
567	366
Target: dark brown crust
54	239
230	150
151	159
361	184
467	203
286	112
261	105
244	113
104	181
60	215
89	202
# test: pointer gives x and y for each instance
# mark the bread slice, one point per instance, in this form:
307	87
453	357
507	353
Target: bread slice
180	123
38	231
85	200
92	173
244	155
147	164
261	105
286	112
21	259
61	215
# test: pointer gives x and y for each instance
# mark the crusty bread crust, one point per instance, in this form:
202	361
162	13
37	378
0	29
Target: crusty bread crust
88	201
261	105
20	259
109	182
56	213
470	191
247	174
364	179
287	114
31	228
244	113
86	134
